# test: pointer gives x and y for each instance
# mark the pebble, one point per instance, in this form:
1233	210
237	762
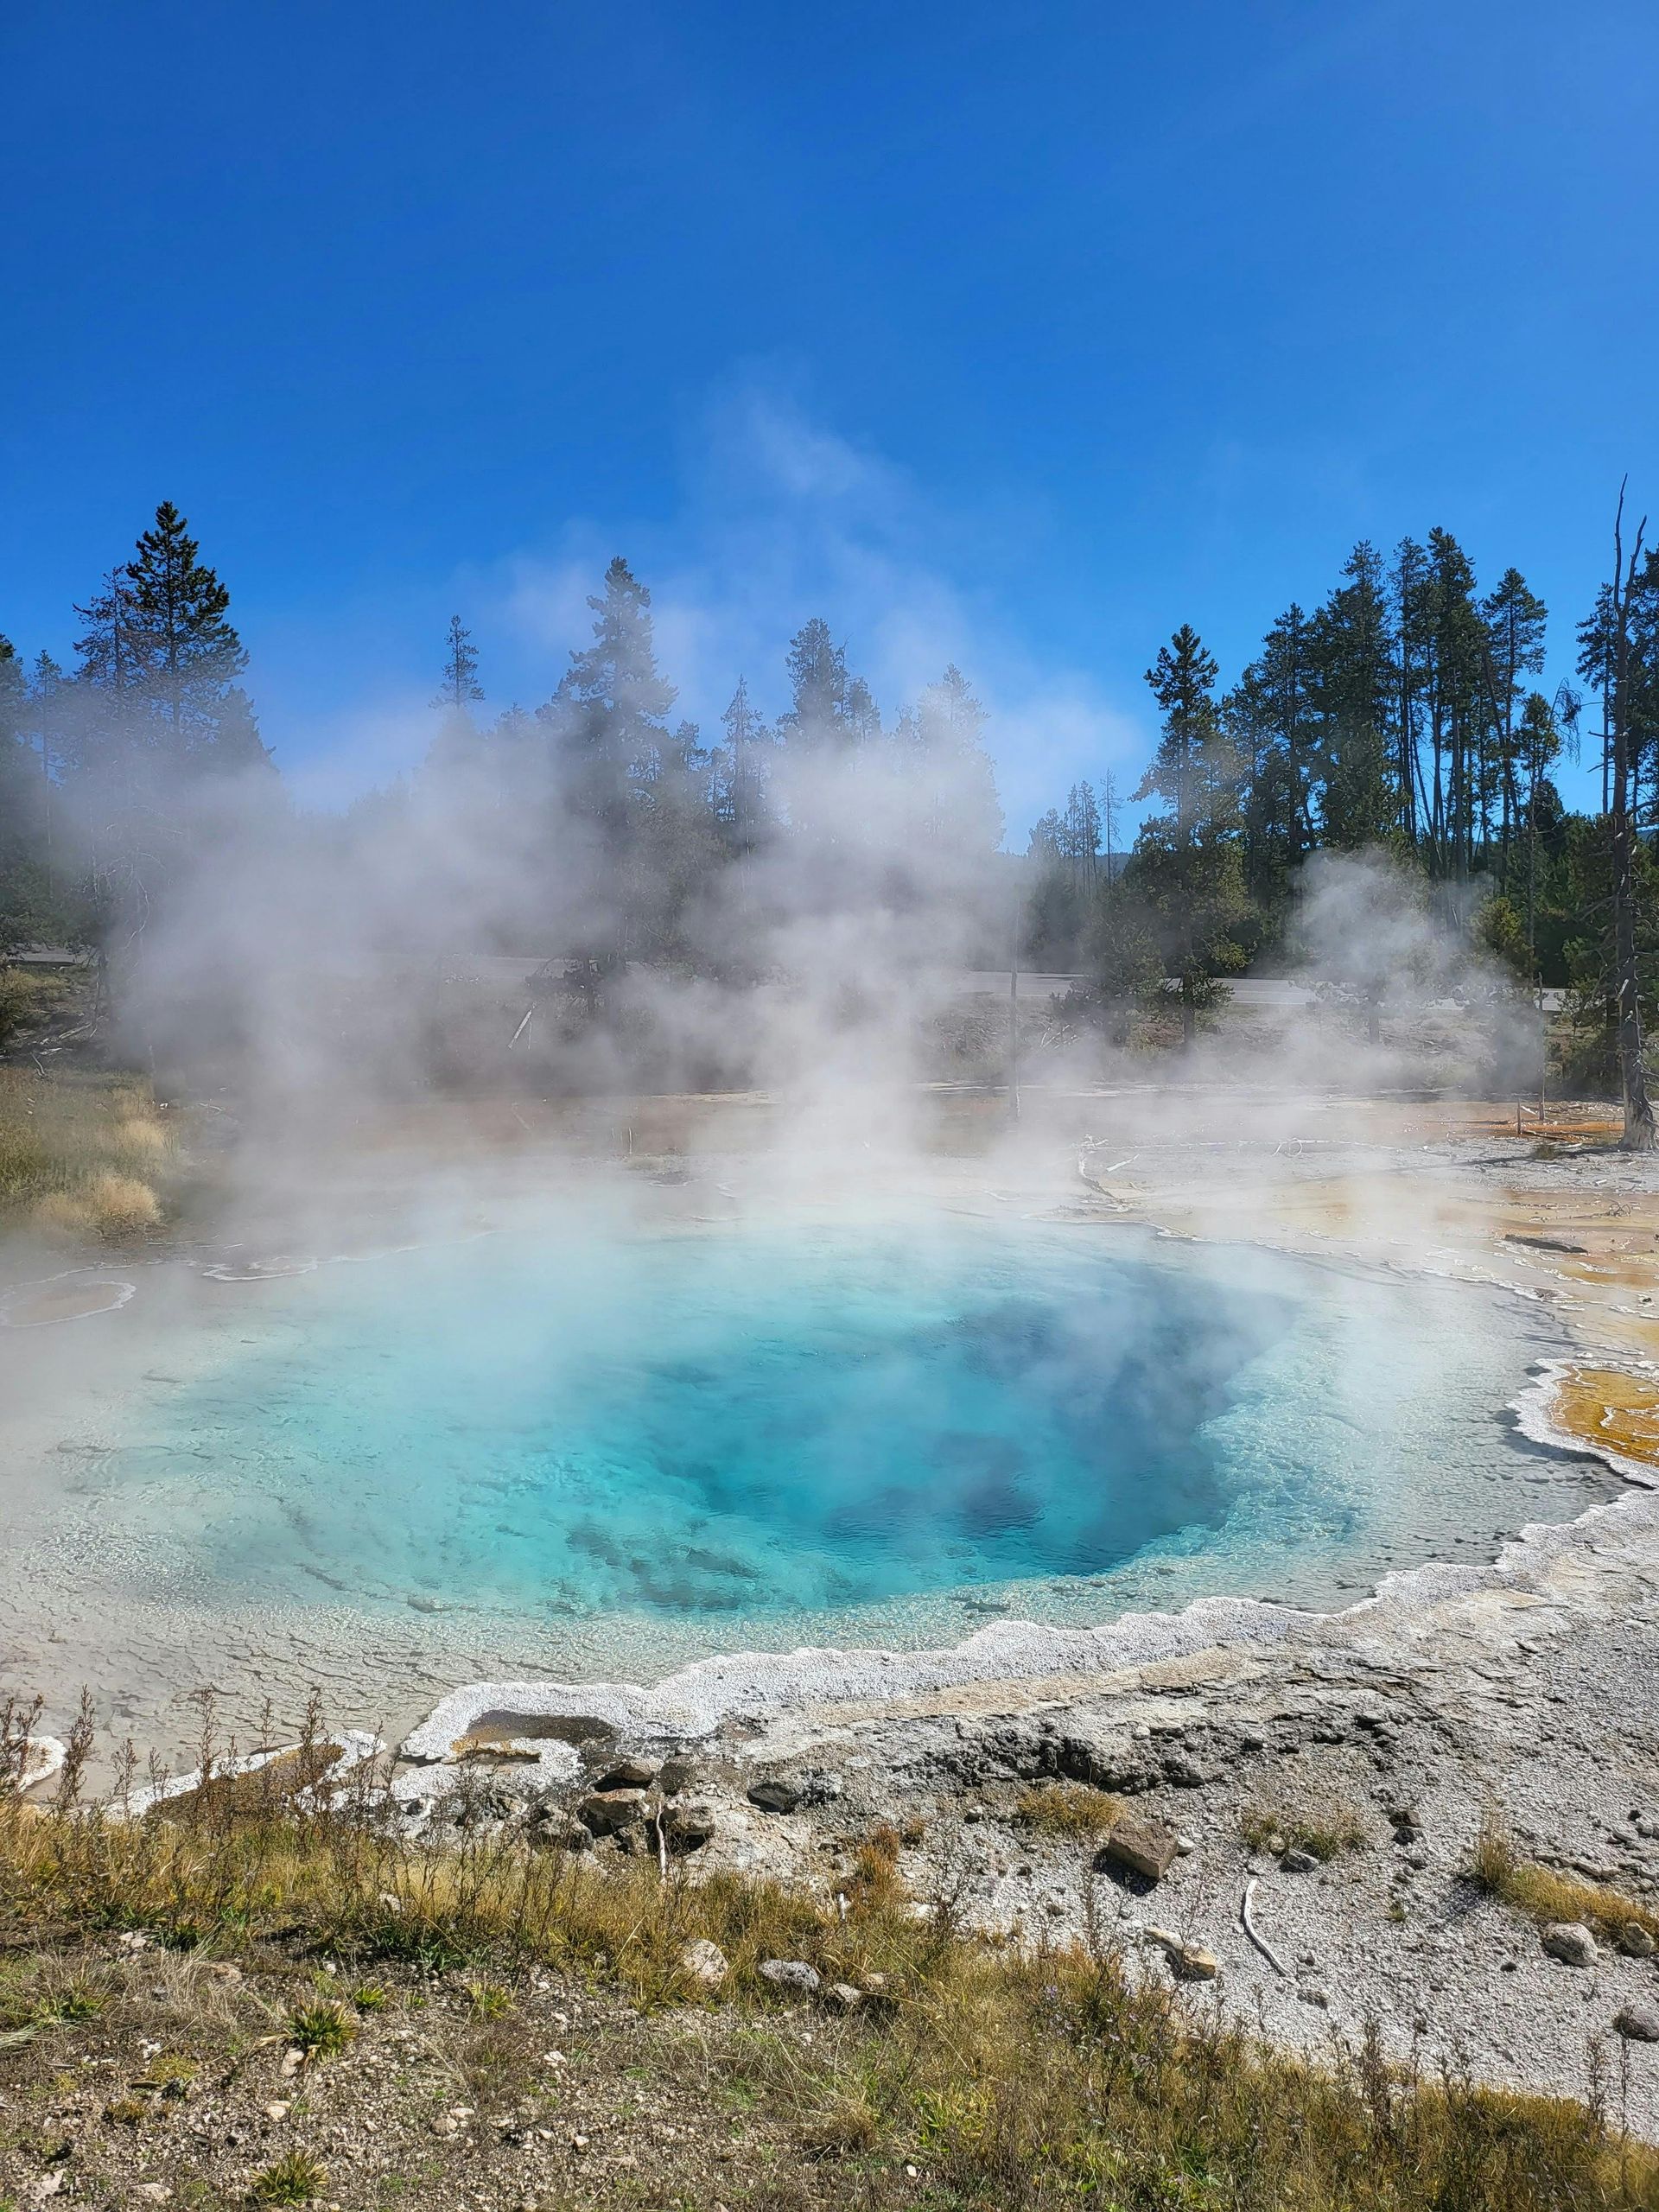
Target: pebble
1299	1862
1639	2022
1635	1941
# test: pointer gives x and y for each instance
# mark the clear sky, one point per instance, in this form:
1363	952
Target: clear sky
1021	334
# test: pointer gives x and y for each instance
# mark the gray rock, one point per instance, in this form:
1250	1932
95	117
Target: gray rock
608	1812
628	1774
1299	1862
677	1775
1639	2022
1635	1941
551	1829
1184	1774
774	1792
791	1973
688	1823
1571	1942
842	1995
704	1962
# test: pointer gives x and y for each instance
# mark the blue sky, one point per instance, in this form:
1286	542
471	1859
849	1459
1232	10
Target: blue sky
1017	334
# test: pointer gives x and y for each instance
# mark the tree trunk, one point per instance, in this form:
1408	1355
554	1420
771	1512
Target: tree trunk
1639	1109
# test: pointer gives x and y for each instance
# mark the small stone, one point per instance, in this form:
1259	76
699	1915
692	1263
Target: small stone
628	1774
1298	1862
293	2059
1639	2022
1184	1774
608	1812
1635	1941
791	1973
1314	1996
1184	1846
578	2142
1146	1847
1571	1942
677	1775
774	1793
704	1962
279	2110
844	1996
1187	1961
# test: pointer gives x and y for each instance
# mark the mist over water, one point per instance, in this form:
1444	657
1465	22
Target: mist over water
810	1427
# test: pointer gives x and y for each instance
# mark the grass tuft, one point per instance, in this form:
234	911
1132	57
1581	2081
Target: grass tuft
321	2031
1544	1894
1322	1822
1068	1809
294	2178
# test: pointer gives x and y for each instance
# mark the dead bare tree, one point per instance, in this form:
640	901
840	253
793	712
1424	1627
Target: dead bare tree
1639	1109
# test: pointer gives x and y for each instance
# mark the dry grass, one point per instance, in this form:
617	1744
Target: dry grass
1323	1822
1544	1894
1068	1809
82	1156
1015	2083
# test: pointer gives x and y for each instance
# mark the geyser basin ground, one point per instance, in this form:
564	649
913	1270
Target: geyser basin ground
633	1447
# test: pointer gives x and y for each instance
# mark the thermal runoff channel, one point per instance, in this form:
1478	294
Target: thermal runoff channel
760	1426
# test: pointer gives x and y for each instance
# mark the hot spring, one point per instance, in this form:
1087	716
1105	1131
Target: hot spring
637	1447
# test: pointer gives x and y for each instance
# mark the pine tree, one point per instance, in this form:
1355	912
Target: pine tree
1515	618
608	722
187	650
1458	697
945	754
1639	1129
460	687
1352	657
1269	718
1410	609
818	716
741	773
1187	862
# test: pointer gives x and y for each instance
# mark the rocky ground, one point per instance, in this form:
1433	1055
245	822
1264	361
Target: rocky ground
1338	1771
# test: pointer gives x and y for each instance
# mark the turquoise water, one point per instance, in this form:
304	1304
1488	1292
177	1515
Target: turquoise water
751	1432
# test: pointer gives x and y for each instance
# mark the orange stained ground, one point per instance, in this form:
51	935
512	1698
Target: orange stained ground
1600	1406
